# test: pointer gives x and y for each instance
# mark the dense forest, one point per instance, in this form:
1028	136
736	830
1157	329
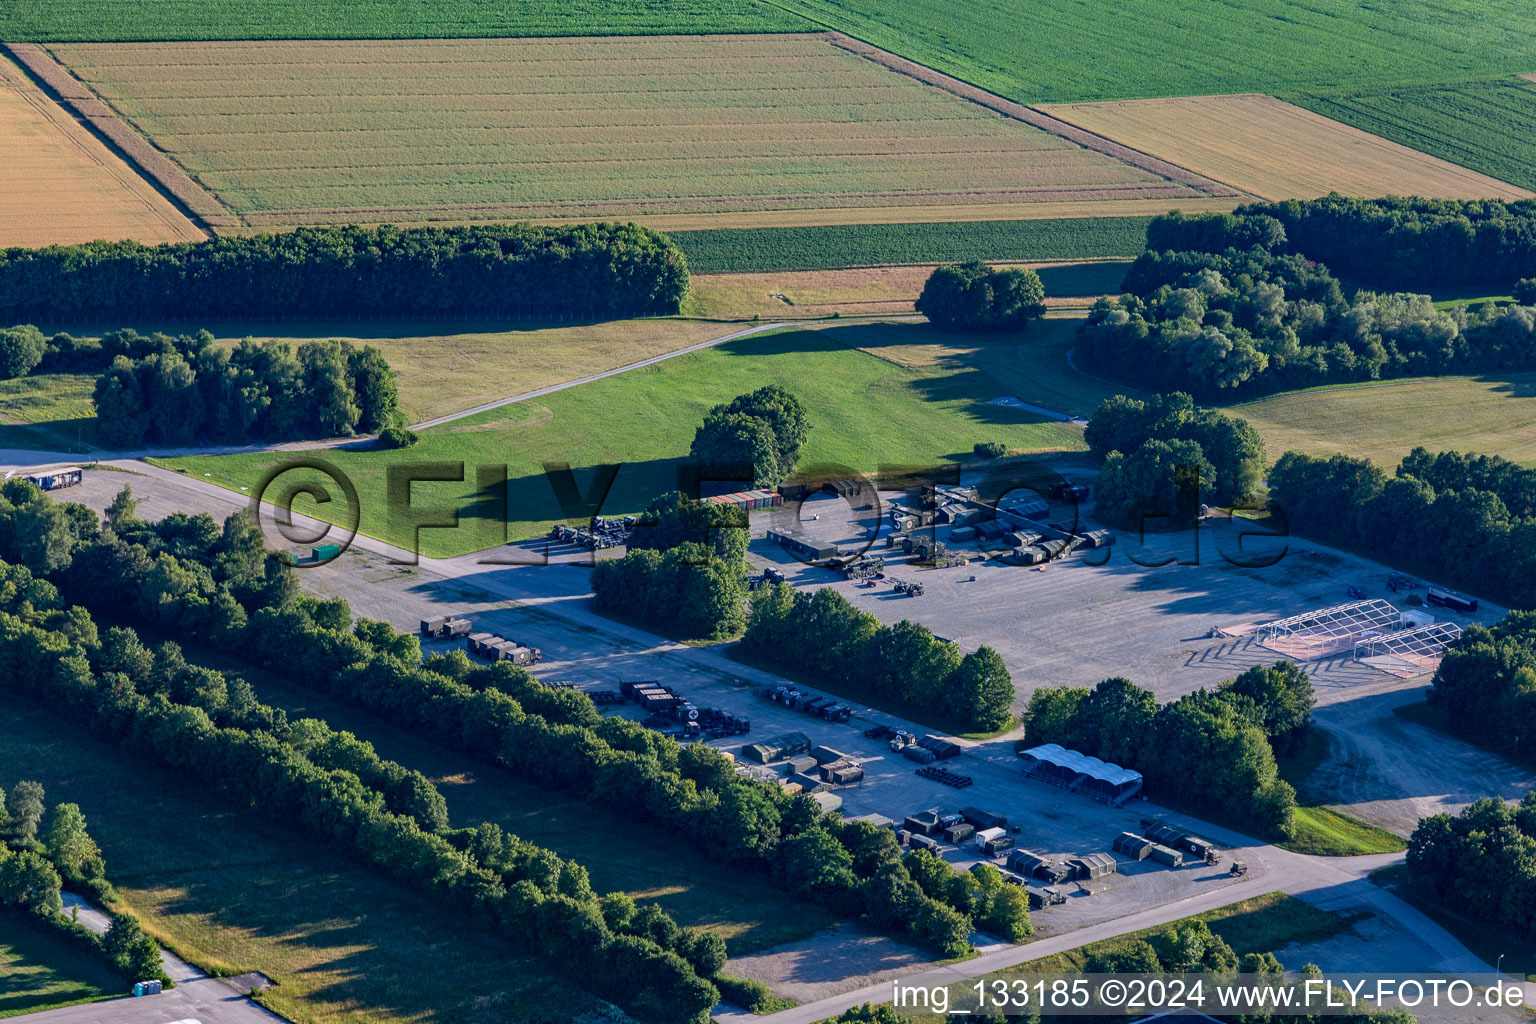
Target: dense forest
1485	687
1145	445
582	270
165	390
1237	323
1482	862
1392	243
1462	520
1213	751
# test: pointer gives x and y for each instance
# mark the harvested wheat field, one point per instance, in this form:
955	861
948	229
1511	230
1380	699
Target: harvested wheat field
292	132
62	185
1276	150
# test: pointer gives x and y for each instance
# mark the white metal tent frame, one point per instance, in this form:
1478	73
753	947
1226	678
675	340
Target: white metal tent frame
1408	651
1339	621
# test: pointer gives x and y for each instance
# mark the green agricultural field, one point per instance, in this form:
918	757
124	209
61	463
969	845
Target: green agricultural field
232	892
744	250
39	969
1488	126
728	129
108	20
1097	50
865	412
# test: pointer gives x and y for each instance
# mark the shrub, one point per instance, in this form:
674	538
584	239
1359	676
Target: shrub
21	349
748	993
1525	291
990	449
397	437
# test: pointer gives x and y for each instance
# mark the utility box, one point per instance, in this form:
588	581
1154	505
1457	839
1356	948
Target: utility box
325	552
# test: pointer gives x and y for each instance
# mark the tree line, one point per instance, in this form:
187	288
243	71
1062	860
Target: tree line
1485	686
1144	444
1242	322
216	585
1212	751
1481	861
824	635
327	782
188	388
36	858
588	270
1396	242
1459	530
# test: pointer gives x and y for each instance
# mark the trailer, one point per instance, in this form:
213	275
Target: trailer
429	627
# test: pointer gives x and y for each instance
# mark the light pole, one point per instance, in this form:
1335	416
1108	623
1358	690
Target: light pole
1496	964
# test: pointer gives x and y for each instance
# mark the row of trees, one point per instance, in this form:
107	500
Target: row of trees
496	713
1237	323
592	270
823	635
1143	444
975	297
187	388
762	431
1457	533
34	867
1396	242
1482	861
537	899
685	591
1213	751
1485	686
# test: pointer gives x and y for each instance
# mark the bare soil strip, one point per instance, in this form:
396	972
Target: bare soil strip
75	97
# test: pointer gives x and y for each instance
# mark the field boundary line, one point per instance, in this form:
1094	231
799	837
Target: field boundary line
162	173
113	166
652	361
1035	118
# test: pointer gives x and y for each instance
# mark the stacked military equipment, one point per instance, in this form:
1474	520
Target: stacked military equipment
910	589
865	567
494	647
604	533
809	703
443	626
943	775
668	711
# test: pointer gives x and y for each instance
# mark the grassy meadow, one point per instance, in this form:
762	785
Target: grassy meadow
40	970
230	891
1489	126
289	132
1490	414
866	411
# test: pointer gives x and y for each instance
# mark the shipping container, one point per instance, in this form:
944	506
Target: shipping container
983	819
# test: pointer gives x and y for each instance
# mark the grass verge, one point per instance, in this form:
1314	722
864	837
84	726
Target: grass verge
1324	831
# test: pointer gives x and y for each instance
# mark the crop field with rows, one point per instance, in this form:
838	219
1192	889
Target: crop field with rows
114	20
732	250
1280	151
1487	126
1065	50
63	186
289	133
